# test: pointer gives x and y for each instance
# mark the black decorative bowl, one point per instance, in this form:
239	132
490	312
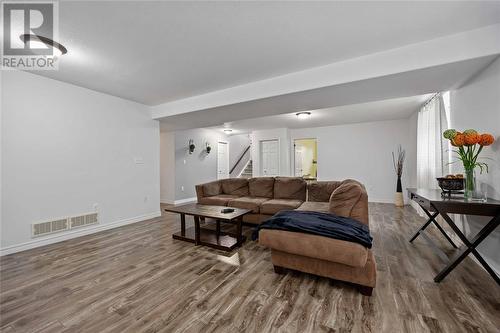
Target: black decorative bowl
451	184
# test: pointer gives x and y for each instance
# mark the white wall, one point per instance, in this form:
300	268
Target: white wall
198	167
167	167
363	152
66	148
179	169
281	134
477	105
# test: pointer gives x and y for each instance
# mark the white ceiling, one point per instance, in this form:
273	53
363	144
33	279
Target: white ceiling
154	52
397	108
360	93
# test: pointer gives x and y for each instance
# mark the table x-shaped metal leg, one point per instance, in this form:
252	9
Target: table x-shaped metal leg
469	247
432	219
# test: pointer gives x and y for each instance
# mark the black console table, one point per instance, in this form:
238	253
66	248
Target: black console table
433	204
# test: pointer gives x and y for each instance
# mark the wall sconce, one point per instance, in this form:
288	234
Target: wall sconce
208	148
191	146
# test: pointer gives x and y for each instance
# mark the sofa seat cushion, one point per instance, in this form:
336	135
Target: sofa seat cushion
290	188
273	206
217	200
321	191
322	207
314	246
235	186
212	188
261	187
247	203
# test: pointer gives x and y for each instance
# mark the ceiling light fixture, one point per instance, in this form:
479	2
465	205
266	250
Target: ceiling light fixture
303	115
40	42
227	130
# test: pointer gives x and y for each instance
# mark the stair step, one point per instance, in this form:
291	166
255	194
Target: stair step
248	171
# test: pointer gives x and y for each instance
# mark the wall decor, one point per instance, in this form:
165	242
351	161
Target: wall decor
191	146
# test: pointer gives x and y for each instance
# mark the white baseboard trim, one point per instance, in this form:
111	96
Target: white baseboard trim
56	238
167	201
380	200
387	201
184	201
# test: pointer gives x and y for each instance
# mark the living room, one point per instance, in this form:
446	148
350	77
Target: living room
250	166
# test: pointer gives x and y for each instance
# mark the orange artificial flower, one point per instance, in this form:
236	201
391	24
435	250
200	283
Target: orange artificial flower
471	138
486	139
458	140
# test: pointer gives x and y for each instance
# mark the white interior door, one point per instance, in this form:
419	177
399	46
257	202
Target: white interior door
270	159
222	160
299	172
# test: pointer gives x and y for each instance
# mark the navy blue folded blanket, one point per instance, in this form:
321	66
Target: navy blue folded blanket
316	223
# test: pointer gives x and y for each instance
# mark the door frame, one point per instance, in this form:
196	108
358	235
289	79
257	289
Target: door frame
293	154
227	158
261	173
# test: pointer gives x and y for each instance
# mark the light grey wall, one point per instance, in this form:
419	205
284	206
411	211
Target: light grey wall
167	167
68	151
198	167
477	105
362	151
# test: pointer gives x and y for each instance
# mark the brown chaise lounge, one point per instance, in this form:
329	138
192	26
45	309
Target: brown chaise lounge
265	196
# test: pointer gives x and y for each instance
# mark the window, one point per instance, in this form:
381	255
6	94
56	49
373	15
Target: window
432	149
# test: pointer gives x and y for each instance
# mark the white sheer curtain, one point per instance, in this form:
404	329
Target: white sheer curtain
432	149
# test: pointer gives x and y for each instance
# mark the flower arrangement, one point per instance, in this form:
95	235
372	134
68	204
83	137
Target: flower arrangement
469	144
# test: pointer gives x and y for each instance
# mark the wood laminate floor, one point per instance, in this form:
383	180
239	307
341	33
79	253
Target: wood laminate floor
137	279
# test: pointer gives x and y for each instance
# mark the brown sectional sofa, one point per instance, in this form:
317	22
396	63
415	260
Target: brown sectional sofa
265	196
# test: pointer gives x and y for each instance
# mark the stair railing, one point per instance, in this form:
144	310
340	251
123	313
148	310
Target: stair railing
239	159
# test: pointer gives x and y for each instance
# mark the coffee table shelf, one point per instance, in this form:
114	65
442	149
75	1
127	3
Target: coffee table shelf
208	237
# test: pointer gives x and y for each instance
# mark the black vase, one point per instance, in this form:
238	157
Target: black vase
399	187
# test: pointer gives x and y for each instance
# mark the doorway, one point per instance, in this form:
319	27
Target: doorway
269	158
305	152
222	160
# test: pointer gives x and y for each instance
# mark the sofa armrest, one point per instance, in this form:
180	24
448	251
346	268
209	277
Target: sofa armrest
350	200
199	192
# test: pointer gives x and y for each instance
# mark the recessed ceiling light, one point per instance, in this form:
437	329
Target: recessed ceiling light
303	115
40	42
227	130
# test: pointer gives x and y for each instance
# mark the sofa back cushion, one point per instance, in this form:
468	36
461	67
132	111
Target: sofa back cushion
235	186
212	188
261	187
321	191
290	188
350	200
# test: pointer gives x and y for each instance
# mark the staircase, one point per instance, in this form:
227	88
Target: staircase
247	172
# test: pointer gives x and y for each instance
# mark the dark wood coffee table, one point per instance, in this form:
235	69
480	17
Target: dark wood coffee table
213	238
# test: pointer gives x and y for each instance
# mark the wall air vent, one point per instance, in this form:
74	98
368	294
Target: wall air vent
44	228
83	220
50	227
